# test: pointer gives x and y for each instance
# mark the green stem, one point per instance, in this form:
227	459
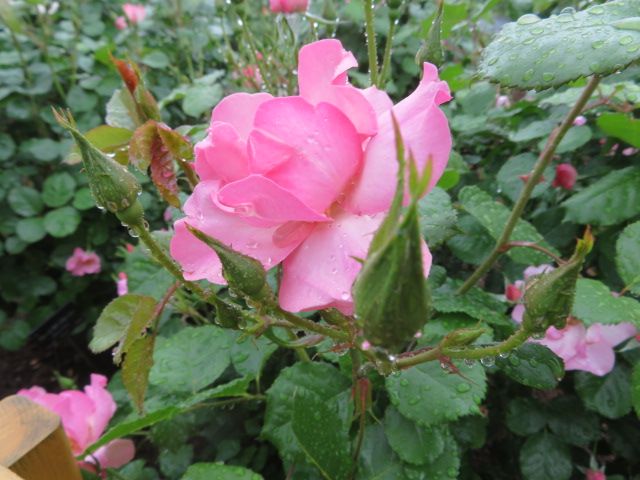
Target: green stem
300	351
386	62
371	41
306	324
257	58
476	353
543	162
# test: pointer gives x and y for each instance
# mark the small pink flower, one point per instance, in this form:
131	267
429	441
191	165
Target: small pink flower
365	345
134	13
122	284
566	175
288	6
130	248
579	121
503	101
595	475
120	23
513	293
305	180
82	263
85	416
167	215
627	152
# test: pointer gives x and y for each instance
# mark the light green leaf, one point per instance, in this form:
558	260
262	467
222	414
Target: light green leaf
622	126
628	257
610	396
31	230
61	222
199	99
218	471
319	431
156	59
611	200
493	216
58	189
191	359
535	53
321	379
428	394
595	303
509	176
545	457
25	201
533	365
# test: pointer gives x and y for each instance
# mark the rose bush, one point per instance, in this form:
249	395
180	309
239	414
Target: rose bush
305	180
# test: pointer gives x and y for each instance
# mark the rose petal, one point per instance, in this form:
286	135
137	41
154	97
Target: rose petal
258	198
114	454
598	359
197	259
238	110
610	335
324	150
103	403
222	155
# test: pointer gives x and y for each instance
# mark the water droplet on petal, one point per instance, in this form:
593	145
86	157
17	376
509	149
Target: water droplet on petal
528	19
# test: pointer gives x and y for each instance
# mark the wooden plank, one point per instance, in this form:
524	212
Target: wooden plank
33	444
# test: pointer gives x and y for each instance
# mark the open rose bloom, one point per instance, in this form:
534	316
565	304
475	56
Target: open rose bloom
306	180
581	347
84	417
82	263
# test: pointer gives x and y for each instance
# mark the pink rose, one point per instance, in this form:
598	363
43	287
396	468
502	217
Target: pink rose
82	263
305	180
84	417
122	284
134	13
581	348
595	475
288	6
566	175
120	23
513	292
579	121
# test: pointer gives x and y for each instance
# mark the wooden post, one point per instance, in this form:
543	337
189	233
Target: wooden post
33	444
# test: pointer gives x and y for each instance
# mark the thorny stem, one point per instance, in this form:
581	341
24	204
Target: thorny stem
371	41
476	353
543	162
357	393
386	58
508	246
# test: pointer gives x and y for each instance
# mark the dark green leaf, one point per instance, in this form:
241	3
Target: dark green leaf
535	53
545	457
25	201
377	459
635	388
31	230
595	303
525	416
533	365
58	189
572	423
610	395
515	167
611	200
437	217
61	222
628	257
218	471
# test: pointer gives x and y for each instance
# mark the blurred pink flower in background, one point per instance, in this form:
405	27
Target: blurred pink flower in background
627	152
120	23
595	475
566	176
82	263
503	101
305	180
122	284
581	348
579	121
288	6
85	416
135	13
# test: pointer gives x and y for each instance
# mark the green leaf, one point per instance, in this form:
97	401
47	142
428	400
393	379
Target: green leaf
413	443
200	99
114	321
107	139
611	200
121	111
78	100
437	217
25	201
473	244
217	471
249	355
594	303
535	53
428	394
476	303
533	365
622	126
493	216
61	222
42	149
533	130
610	395
572	423
31	230
137	365
319	431
377	459
445	467
525	416
575	138
7	147
509	176
83	200
628	257
545	457
58	189
321	379
235	388
145	275
174	370
156	59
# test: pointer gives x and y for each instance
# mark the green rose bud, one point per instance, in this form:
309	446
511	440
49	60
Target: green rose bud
113	186
462	337
245	275
548	298
431	49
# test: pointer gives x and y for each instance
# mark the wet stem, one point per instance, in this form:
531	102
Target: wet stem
543	162
371	41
